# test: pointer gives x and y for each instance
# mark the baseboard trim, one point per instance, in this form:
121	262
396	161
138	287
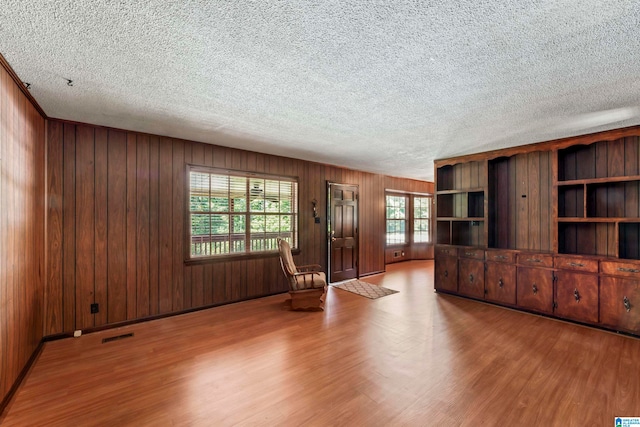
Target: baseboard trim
21	377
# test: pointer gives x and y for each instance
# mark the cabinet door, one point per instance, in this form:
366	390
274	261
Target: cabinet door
577	296
620	303
500	283
535	289
471	277
446	275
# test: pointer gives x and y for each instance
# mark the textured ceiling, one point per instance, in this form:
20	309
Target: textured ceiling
382	86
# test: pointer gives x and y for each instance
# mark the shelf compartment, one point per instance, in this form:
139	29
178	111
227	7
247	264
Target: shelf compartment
613	200
461	205
467	233
443	232
571	201
588	238
629	238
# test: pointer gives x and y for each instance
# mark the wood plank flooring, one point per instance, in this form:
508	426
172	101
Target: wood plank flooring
411	358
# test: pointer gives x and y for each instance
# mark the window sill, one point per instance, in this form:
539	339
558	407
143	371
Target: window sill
235	257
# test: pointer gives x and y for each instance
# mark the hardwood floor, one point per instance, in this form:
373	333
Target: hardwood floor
411	358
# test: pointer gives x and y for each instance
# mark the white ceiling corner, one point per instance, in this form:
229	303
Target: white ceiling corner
381	86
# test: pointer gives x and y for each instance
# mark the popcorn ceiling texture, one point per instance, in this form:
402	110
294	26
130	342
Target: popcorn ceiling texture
382	86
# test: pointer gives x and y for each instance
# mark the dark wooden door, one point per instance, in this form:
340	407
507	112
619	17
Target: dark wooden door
535	289
343	232
500	283
446	275
471	277
577	296
620	303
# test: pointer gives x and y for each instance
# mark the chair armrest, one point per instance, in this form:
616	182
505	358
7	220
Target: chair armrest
309	268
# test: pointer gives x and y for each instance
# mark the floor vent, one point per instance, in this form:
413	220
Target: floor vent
118	337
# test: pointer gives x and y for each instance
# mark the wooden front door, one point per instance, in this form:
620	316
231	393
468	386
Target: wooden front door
343	232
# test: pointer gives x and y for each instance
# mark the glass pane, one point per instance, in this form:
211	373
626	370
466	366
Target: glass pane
258	223
286	222
238	192
200	225
199	203
239	224
286	195
256	195
219	224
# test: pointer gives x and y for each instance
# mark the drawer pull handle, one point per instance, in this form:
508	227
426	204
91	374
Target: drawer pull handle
576	295
499	257
446	273
627	304
535	289
470	253
500	283
576	264
628	270
533	260
471	277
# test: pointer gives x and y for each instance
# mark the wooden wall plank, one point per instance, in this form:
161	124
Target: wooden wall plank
116	227
85	226
178	208
131	248
545	201
522	203
101	223
69	228
165	203
154	230
533	197
142	226
53	290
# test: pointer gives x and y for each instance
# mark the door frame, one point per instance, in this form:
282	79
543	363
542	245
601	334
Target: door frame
328	230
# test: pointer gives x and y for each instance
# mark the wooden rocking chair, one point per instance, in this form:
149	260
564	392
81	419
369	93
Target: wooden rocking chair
307	284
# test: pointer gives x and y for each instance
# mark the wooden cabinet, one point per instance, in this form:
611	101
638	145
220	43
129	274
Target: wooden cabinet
620	304
446	270
577	296
471	277
500	276
535	289
559	222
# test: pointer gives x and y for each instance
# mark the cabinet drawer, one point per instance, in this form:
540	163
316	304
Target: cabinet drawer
446	250
474	253
627	269
535	289
500	256
500	282
577	296
446	275
620	303
580	264
471	277
535	260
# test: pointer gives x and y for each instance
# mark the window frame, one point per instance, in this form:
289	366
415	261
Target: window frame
247	253
428	219
387	219
409	218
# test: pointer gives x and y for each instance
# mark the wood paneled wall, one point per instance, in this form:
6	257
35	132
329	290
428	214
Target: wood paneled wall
116	225
22	231
520	200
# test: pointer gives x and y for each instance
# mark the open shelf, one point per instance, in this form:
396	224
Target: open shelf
460	205
629	238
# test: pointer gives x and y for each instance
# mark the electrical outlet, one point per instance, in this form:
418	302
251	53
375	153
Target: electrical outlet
77	333
95	308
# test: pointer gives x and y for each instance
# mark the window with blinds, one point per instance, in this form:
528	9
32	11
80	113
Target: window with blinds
236	213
